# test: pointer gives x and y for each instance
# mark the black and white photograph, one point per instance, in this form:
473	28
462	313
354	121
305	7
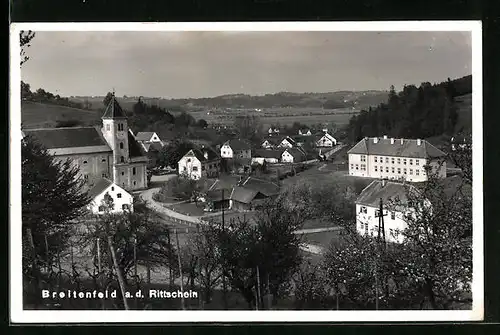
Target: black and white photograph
246	172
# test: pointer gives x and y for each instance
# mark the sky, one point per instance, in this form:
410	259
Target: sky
206	64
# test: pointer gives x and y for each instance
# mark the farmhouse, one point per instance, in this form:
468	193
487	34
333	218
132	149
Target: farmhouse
278	142
236	149
270	156
305	132
104	191
147	137
395	159
325	140
368	209
252	193
109	152
293	155
198	163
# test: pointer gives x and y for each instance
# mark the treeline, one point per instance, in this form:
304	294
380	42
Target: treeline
415	112
42	96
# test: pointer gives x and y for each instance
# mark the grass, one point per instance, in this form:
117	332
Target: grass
38	115
189	208
323	239
232	216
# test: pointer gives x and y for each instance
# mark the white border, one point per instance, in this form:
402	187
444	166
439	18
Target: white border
18	315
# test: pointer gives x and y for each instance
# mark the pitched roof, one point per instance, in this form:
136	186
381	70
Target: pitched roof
237	144
387	190
383	147
134	148
200	154
265	187
243	194
99	187
225	182
144	135
267	153
275	140
114	110
70	137
296	153
216	195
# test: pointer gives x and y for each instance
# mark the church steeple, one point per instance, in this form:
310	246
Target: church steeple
114	110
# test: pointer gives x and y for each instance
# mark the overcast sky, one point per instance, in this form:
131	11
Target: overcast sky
203	64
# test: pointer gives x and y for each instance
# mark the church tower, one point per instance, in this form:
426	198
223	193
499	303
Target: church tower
115	131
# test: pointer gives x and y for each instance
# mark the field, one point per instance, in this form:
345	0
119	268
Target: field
38	115
281	116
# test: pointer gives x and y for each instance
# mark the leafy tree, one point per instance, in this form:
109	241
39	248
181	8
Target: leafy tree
25	39
248	127
202	123
25	91
53	198
172	153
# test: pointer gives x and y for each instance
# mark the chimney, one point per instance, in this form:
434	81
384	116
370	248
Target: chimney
419	142
375	140
401	141
383	182
392	140
385	137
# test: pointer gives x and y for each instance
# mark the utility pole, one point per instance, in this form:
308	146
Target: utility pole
381	246
224	284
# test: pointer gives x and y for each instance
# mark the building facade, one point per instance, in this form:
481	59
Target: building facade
235	149
104	190
395	159
107	152
199	163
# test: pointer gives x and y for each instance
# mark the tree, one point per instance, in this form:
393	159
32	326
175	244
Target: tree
107	99
172	153
202	123
25	39
26	93
53	198
248	127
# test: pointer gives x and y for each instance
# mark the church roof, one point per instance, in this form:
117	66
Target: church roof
71	137
114	110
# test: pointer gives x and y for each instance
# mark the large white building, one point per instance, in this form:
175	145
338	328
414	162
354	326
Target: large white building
395	159
368	209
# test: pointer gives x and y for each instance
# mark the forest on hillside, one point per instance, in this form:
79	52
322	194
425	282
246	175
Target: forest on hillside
415	112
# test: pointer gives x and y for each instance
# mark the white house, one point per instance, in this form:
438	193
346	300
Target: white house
266	155
305	132
198	163
147	137
395	159
368	209
278	142
325	140
236	149
122	200
273	131
293	155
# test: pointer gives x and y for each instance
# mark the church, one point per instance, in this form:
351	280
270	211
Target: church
110	151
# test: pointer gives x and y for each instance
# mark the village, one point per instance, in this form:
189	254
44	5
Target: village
250	214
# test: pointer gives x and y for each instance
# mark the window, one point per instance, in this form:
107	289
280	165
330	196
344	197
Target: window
387	160
120	126
404	161
122	159
376	168
392	169
399	160
357	167
411	161
104	175
399	170
375	159
85	162
195	168
404	170
189	160
416	161
121	145
86	177
417	172
123	173
184	169
133	171
411	171
363	158
107	127
112	188
135	182
363	167
393	215
103	160
125	207
392	160
101	208
119	195
202	168
352	166
387	169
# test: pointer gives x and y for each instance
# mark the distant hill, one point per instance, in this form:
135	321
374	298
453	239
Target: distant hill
330	100
464	105
39	115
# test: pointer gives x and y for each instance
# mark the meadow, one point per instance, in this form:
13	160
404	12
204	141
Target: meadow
39	115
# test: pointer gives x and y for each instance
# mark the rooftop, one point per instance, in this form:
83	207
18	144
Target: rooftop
237	144
144	135
114	110
56	138
387	190
398	147
99	187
